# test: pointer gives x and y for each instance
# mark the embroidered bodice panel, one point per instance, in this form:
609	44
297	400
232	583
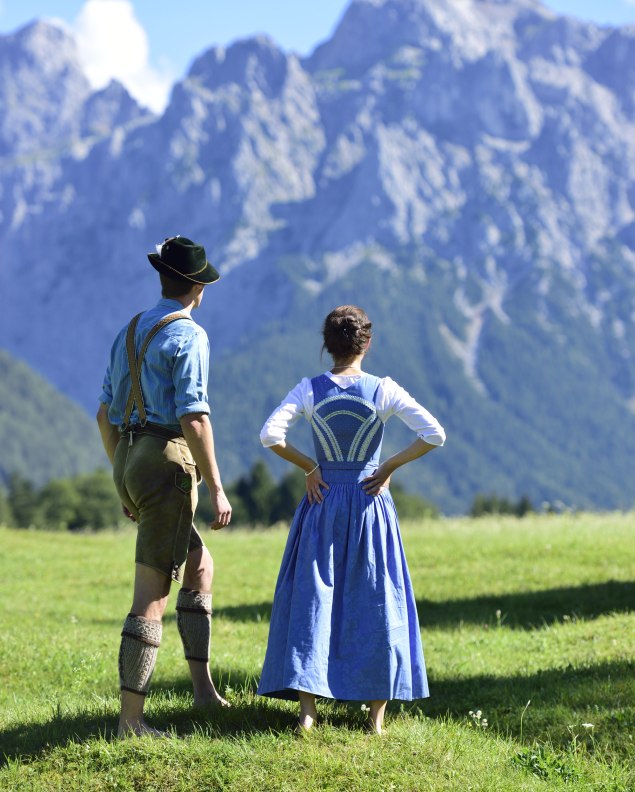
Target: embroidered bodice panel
344	422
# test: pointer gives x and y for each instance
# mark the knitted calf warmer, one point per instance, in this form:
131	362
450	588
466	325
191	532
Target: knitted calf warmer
194	620
140	641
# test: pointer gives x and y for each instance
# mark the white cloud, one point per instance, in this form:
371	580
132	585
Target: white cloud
112	44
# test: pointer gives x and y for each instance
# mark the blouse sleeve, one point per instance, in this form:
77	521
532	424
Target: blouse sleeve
394	400
298	402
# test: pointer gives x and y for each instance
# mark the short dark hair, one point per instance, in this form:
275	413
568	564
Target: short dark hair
173	287
346	331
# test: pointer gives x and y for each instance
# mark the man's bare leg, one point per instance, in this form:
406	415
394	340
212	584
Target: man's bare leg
197	579
376	716
308	712
151	589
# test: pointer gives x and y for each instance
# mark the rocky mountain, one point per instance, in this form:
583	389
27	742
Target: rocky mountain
461	168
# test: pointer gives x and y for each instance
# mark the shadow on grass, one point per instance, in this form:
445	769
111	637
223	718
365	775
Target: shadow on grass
169	707
532	609
561	700
557	703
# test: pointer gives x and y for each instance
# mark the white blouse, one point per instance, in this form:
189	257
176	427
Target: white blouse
391	400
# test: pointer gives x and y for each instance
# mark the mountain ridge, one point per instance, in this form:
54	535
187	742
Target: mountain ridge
468	172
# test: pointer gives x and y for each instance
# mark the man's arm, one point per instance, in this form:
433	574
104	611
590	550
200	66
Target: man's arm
109	432
110	438
197	430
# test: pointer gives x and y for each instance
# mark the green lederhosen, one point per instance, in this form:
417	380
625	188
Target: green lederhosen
156	476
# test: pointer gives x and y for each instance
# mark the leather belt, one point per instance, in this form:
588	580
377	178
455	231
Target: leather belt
152	429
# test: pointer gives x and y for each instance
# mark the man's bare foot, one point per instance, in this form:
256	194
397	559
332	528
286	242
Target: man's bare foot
211	699
140	729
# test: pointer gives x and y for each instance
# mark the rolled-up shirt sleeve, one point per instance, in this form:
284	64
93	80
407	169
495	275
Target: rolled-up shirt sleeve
105	397
190	375
289	411
394	400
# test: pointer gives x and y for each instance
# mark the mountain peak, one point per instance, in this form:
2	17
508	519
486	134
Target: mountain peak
42	87
256	62
40	36
372	29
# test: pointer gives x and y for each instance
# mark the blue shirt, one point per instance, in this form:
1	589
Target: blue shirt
174	372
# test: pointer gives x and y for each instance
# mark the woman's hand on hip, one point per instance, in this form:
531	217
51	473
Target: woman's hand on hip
314	484
380	479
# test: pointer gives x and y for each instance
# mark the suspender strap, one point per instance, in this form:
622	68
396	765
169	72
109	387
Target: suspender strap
134	364
135	394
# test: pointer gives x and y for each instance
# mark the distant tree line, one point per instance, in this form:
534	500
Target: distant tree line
85	502
89	501
493	504
257	499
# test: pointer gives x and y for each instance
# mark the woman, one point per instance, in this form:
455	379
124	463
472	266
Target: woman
344	622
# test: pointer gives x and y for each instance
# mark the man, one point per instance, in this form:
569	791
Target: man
155	427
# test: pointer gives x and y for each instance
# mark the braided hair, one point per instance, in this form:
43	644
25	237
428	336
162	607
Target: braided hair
346	331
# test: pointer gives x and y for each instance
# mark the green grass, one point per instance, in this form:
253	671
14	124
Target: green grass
529	622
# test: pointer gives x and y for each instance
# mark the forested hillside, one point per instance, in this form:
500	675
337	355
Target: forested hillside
43	434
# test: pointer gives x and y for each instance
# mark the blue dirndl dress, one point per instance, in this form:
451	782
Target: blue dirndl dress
344	622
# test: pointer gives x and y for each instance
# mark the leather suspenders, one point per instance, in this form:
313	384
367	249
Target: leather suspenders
134	363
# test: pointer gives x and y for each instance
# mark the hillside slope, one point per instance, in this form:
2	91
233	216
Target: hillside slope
44	434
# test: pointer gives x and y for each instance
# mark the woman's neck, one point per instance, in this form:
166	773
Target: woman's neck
347	365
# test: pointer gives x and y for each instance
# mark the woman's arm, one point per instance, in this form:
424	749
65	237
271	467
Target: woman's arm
314	480
373	484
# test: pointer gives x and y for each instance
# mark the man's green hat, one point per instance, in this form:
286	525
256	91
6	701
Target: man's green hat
180	259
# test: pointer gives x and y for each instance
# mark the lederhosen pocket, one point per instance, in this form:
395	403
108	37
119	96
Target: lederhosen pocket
185	482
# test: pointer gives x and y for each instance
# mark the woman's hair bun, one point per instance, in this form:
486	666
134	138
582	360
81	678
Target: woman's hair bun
346	331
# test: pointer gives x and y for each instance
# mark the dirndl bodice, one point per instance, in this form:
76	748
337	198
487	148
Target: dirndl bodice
347	432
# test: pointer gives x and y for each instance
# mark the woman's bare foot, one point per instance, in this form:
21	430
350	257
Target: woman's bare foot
374	728
305	723
139	729
375	721
308	712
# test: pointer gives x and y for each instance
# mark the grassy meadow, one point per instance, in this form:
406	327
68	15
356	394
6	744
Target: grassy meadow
529	636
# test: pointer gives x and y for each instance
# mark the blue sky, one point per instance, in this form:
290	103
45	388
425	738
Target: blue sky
148	44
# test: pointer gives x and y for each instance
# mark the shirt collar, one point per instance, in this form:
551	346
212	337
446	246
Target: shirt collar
171	305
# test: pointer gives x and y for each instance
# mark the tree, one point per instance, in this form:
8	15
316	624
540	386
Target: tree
288	494
57	504
411	506
524	506
99	505
257	492
21	500
493	504
6	517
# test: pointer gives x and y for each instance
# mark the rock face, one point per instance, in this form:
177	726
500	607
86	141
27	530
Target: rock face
461	168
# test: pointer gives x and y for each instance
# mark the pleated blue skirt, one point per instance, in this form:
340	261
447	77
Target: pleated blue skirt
344	621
